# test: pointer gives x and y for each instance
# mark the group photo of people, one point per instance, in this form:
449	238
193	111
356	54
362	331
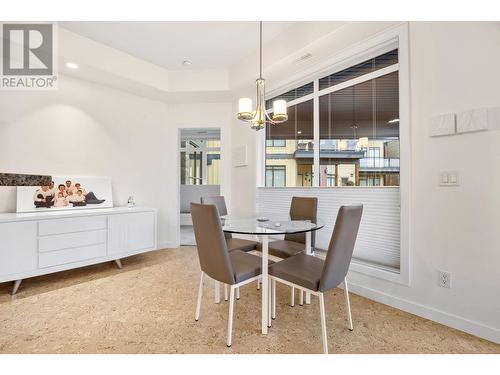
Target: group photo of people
64	195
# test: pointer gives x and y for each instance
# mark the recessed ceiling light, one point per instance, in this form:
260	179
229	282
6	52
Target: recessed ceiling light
186	62
72	65
393	121
299	132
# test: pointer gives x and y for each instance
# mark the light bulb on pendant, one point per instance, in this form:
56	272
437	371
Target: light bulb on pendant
279	110
245	109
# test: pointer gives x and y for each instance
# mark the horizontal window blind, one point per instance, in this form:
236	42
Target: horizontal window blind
378	241
371	65
296	93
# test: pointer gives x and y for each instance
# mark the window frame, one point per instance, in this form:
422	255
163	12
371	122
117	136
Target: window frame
273	168
394	37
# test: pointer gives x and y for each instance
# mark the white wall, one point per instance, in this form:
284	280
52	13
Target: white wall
454	67
87	129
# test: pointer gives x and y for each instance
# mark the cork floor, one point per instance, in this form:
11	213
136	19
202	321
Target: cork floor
148	307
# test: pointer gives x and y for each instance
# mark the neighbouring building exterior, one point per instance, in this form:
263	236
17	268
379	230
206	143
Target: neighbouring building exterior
342	163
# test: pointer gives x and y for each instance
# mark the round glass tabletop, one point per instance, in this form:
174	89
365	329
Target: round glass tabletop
259	226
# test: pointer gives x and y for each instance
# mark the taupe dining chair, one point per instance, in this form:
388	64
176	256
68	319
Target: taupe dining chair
235	268
311	274
301	208
232	243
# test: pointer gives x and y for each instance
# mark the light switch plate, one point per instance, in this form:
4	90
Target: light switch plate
442	125
448	178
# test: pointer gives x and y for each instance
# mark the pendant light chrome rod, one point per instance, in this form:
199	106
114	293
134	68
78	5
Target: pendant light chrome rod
260	49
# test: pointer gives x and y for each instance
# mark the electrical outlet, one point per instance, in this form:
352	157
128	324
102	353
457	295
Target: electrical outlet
445	279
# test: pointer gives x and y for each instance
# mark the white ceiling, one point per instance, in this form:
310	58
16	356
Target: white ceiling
208	45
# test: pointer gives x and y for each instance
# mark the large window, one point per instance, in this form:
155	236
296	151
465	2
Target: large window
356	128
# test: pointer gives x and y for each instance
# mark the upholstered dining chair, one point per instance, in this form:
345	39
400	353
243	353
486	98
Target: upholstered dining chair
311	274
234	268
232	243
301	208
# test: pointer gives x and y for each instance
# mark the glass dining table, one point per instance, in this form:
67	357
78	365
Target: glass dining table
263	227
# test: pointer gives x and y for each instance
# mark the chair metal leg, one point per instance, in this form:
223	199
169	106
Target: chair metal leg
225	292
230	317
292	296
269	302
217	291
301	299
309	252
273	286
265	285
198	304
238	293
348	305
323	323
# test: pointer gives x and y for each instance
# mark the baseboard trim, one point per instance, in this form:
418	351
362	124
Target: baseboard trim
447	319
168	245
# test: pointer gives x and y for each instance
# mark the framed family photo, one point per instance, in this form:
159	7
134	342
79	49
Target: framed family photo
66	193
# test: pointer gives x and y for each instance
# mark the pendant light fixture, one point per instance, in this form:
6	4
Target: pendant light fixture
259	117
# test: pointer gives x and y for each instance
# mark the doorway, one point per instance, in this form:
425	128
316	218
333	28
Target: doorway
199	173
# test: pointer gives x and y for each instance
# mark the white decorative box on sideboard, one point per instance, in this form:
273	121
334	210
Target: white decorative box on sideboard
33	244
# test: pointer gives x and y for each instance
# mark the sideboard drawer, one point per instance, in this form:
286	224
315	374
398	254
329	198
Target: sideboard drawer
68	225
76	254
70	240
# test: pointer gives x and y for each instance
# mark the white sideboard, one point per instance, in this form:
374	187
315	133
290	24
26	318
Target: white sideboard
33	244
